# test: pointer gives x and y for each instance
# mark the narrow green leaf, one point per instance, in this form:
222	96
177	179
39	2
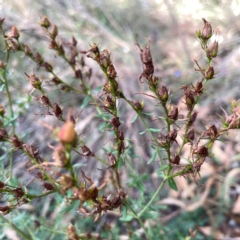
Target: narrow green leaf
134	119
141	133
154	130
148	114
172	184
163	167
152	157
124	211
85	102
128	218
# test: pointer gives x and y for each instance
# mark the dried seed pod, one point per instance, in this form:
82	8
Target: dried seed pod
115	122
93	52
189	99
57	110
86	151
44	100
48	186
14	32
191	134
27	50
59	155
18	192
67	134
78	74
54	32
202	151
16	142
175	160
111	71
44	22
111	160
105	60
71	232
38	58
198	90
3	134
207	30
173	115
66	182
172	135
35	81
212	50
48	67
193	118
163	93
209	73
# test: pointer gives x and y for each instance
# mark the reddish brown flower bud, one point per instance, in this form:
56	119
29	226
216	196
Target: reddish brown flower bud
2	110
206	31
138	106
209	73
86	151
35	81
212	50
54	31
3	134
38	58
202	151
115	122
48	67
48	186
16	142
198	90
66	182
189	99
212	132
78	74
27	50
111	160
173	115
14	33
163	93
175	160
191	134
5	209
193	118
2	184
44	22
57	110
67	134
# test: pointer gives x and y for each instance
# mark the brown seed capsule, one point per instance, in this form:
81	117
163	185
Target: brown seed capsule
38	58
72	234
18	192
59	155
44	22
16	142
3	134
86	151
34	80
189	99
206	31
173	115
193	118
48	66
212	132
163	93
111	160
209	73
175	159
111	71
67	134
202	151
54	31
57	110
48	186
66	182
191	134
78	74
14	33
212	50
115	122
93	52
27	50
104	59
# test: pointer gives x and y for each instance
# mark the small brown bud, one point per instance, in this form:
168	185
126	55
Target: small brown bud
209	73
207	30
109	102
66	182
2	110
38	58
111	160
48	186
2	184
35	81
212	50
44	22
172	135
193	118
48	67
111	71
105	60
78	74
93	52
61	50
13	45
212	132
173	115
189	99
74	42
57	110
54	31
53	45
67	134
86	151
44	100
88	194
175	160
3	134
191	134
115	122
27	50
202	151
199	88
138	106
163	93
5	209
18	192
14	32
16	142
162	140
